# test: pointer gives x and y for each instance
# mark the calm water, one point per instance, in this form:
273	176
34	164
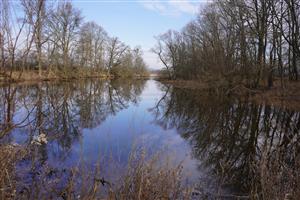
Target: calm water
216	139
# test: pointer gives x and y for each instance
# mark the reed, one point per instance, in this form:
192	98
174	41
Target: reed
145	177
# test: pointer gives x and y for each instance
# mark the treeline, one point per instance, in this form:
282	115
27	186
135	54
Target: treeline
245	42
52	37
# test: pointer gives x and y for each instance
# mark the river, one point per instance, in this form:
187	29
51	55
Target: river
219	141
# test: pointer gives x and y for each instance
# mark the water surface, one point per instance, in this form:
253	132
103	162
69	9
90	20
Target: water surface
217	139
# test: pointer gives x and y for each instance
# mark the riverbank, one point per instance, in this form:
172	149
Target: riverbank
33	76
287	96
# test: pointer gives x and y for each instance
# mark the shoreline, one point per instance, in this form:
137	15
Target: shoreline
287	97
33	77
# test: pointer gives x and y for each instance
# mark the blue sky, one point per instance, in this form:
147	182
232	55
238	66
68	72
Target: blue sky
137	22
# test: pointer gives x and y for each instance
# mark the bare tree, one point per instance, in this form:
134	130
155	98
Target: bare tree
64	26
46	34
115	51
36	16
236	42
91	45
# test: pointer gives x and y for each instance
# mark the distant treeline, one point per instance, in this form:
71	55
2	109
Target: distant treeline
236	42
52	36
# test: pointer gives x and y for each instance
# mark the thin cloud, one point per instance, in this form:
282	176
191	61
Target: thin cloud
154	6
173	7
185	6
163	8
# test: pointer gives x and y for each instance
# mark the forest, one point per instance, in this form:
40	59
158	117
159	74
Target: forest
236	42
49	39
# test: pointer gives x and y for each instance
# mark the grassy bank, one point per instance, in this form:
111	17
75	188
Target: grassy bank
33	75
56	75
287	96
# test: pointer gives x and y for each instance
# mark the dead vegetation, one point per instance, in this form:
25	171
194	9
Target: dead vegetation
144	178
9	155
287	96
152	180
279	178
52	75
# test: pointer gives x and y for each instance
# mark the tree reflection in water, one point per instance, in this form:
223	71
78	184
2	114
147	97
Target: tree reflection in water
64	107
229	136
60	111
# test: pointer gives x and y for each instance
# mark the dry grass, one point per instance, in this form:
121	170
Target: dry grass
278	179
276	175
54	74
287	96
151	180
9	155
57	75
144	178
